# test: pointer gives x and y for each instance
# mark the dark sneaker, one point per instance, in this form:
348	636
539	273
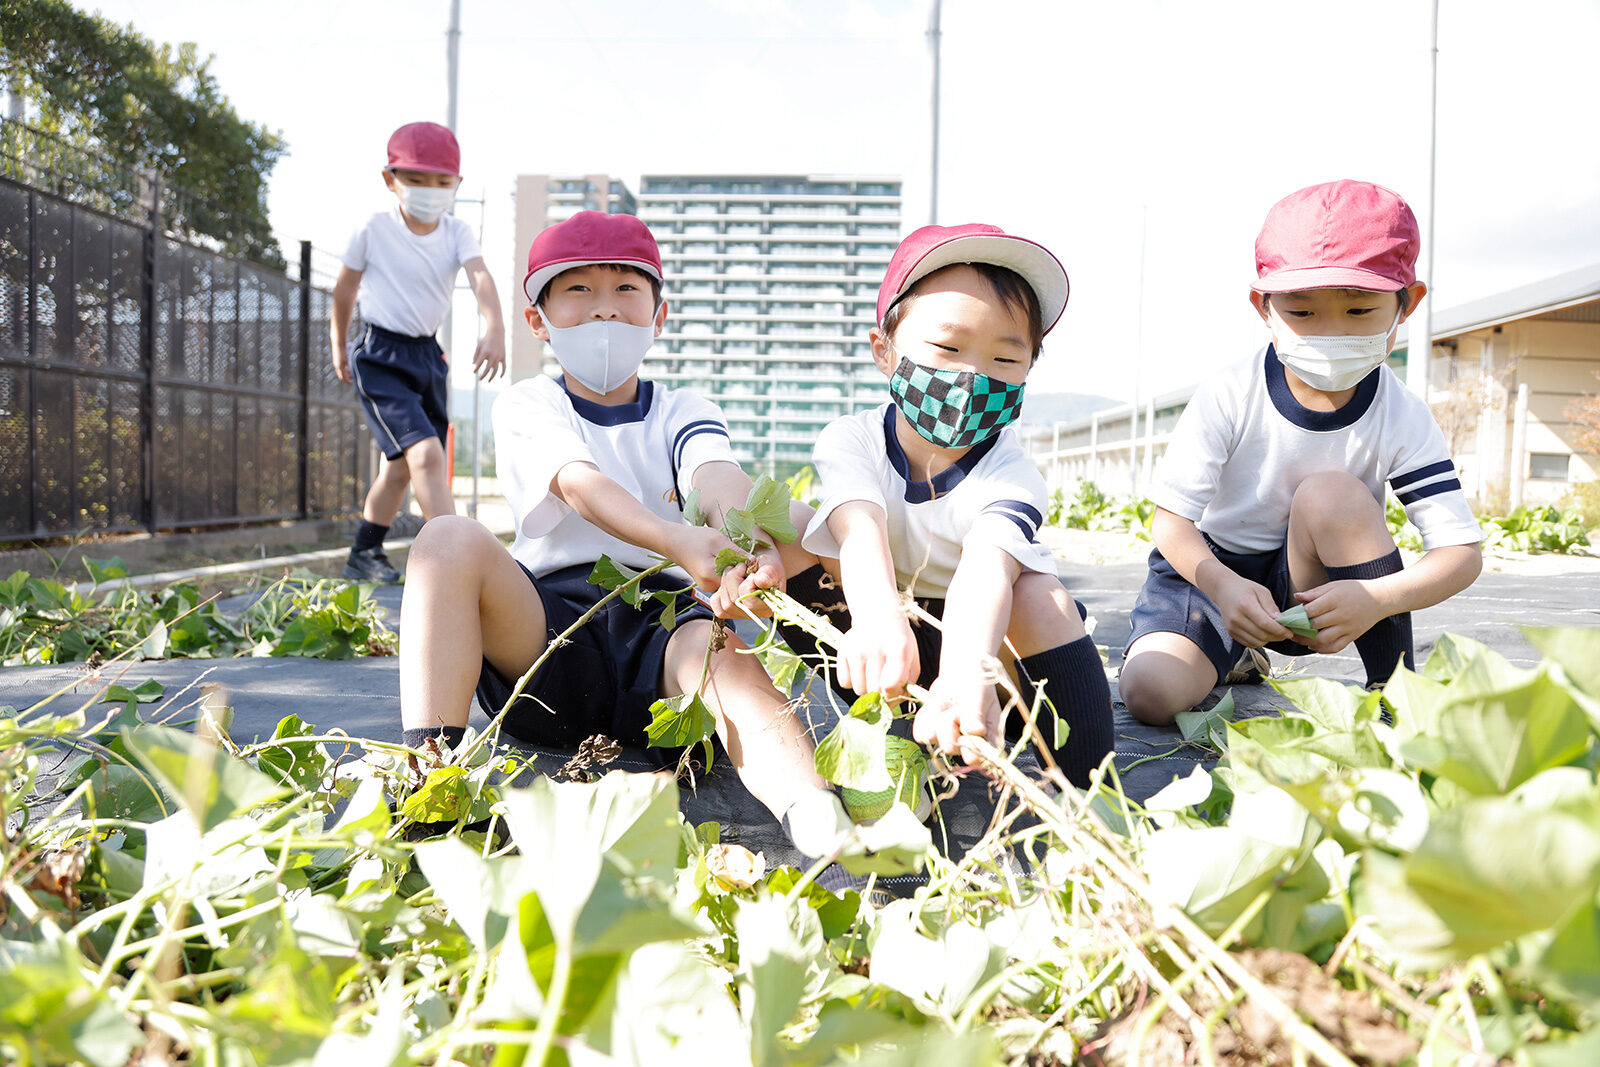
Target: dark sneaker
370	565
1252	667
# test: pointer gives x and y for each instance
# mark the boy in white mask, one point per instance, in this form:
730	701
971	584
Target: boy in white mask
400	266
597	462
1270	492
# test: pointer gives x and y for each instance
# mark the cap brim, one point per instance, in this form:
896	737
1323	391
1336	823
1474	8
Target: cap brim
535	280
1285	281
1033	261
425	168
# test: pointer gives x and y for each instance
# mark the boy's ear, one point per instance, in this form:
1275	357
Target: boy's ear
1418	290
536	322
882	350
661	317
388	177
1259	302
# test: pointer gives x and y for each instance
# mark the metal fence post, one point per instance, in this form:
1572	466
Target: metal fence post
305	379
147	350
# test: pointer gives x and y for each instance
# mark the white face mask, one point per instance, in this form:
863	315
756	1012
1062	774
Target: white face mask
601	355
1327	362
425	203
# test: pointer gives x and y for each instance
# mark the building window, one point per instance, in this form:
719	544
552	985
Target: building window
1553	465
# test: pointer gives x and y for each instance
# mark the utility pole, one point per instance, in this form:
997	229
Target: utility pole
933	169
1419	342
452	67
1138	364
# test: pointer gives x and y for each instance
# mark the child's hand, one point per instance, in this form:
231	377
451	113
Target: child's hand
879	654
695	548
1249	613
489	361
764	570
958	705
341	365
1343	611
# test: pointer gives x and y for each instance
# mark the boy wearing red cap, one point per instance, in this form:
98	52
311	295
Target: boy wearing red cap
931	494
597	462
1270	492
401	268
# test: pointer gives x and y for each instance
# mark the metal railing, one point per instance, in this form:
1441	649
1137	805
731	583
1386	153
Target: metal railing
147	382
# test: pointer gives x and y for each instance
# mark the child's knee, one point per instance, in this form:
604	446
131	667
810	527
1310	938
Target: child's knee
1333	499
452	541
1043	614
1154	688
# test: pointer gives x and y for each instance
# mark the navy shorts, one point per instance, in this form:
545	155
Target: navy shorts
1169	604
605	678
402	382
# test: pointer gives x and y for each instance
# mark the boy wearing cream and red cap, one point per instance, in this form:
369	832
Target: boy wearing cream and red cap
932	494
400	266
1271	490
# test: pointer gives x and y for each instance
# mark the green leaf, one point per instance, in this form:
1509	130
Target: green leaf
1298	622
906	763
740	528
1489	739
782	664
211	784
105	570
768	504
48	1007
1582	1050
692	514
1571	960
1451	653
772	970
1496	868
852	755
443	796
1575	648
609	574
299	763
669	612
730	557
154	645
680	721
146	692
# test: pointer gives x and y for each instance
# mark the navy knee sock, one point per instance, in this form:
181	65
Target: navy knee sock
415	736
369	535
1389	641
1075	684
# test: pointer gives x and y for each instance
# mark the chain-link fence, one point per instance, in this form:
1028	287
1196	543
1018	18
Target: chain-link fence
150	383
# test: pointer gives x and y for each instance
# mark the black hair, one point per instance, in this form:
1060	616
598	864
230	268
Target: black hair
1014	292
1403	295
618	268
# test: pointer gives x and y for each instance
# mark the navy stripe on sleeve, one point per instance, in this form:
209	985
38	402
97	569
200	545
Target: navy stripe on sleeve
694	428
1022	524
1399	482
1430	490
1022	507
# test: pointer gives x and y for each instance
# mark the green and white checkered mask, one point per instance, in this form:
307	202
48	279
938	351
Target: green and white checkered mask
954	408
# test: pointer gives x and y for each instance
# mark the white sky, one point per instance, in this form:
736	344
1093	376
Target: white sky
1067	121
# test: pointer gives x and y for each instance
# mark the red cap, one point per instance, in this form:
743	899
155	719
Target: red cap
587	238
425	146
932	247
1338	235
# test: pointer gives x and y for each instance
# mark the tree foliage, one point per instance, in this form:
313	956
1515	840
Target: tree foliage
110	89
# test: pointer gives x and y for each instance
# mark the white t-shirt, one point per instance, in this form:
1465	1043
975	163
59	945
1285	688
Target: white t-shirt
993	495
1244	443
406	279
650	447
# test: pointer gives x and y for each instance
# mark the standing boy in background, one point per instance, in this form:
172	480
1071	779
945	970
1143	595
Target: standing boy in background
403	265
1271	490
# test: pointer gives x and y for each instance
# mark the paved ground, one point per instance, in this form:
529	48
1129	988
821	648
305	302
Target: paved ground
1104	571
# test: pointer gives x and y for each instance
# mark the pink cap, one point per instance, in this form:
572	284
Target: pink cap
932	247
425	146
1338	235
587	238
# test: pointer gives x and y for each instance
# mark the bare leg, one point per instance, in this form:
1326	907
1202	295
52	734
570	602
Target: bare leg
388	490
1333	521
465	600
764	738
1165	673
1043	614
426	460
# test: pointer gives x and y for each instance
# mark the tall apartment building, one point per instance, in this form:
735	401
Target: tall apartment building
541	200
773	281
